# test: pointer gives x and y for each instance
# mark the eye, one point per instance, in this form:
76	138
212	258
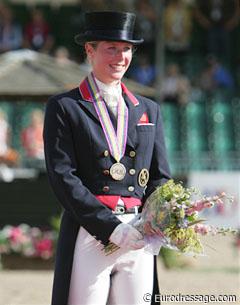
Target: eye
127	49
111	48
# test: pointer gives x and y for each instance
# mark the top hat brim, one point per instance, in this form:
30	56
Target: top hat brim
81	39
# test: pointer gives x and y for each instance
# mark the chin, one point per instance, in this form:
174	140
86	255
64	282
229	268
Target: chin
117	76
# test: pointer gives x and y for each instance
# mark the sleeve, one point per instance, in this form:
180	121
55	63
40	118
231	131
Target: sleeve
61	165
159	172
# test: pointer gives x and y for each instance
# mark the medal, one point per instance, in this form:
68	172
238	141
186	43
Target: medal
118	171
143	177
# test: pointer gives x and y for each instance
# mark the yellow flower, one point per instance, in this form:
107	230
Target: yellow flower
161	217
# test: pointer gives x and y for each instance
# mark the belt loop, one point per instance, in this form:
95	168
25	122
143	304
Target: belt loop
136	210
119	210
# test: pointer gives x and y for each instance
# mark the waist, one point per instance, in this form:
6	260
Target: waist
121	209
120	204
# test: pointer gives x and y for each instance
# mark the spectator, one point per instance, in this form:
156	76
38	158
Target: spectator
215	76
93	5
2	8
175	86
120	5
32	140
8	156
218	18
144	72
62	56
38	34
146	20
10	31
177	28
127	4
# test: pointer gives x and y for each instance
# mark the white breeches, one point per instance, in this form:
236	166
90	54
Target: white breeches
121	278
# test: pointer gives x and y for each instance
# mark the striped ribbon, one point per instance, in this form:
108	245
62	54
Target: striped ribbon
116	142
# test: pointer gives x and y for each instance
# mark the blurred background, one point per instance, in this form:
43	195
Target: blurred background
189	63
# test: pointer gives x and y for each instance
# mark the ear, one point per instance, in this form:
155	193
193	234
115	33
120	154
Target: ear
89	50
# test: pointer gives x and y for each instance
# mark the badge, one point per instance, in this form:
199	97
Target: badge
143	177
118	171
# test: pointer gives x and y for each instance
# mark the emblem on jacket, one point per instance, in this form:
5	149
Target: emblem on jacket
143	177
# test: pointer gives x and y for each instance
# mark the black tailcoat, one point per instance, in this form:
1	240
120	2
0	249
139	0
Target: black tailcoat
77	156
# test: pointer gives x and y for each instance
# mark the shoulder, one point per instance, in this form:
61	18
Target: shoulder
65	98
71	94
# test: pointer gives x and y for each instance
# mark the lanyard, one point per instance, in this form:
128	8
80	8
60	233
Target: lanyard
116	141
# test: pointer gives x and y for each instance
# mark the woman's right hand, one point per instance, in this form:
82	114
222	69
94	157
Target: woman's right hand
127	237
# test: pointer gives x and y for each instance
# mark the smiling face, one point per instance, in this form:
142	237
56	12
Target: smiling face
109	59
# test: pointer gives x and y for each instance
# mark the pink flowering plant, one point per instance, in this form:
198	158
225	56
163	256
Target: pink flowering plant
27	241
171	218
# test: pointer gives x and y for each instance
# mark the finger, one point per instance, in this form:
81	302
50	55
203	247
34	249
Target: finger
137	234
137	244
159	232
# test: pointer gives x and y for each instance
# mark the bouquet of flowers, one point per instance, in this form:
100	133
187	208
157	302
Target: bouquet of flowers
170	218
27	241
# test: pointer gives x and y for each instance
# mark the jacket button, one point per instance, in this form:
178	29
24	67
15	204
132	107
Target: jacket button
106	153
132	171
131	188
132	153
105	188
106	172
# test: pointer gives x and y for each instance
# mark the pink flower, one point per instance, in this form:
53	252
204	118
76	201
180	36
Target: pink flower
17	235
44	248
202	229
199	206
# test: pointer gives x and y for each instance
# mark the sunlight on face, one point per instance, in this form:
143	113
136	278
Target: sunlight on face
109	59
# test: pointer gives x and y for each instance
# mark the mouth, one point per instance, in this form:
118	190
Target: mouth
118	67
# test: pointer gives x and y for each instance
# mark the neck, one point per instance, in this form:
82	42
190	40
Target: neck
110	83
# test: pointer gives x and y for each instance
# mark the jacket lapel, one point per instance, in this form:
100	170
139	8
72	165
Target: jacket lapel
134	114
135	111
87	101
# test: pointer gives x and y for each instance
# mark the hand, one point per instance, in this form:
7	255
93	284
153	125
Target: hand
149	230
127	237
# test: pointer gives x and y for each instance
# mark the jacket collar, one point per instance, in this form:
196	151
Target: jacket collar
85	92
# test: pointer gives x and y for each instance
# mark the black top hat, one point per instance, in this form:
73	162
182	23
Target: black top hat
108	26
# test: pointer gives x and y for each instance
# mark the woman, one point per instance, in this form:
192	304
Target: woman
105	154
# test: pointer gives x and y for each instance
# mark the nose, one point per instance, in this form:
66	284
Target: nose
120	54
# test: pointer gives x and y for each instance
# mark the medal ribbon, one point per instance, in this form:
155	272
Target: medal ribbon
116	142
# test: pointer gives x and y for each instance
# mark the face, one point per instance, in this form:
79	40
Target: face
109	60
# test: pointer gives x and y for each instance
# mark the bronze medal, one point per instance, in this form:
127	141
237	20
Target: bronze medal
118	171
143	177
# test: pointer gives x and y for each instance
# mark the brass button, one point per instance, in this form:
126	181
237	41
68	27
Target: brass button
105	188
132	153
131	188
132	171
106	153
106	172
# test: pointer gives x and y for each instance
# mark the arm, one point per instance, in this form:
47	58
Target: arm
159	169
61	164
200	17
233	22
